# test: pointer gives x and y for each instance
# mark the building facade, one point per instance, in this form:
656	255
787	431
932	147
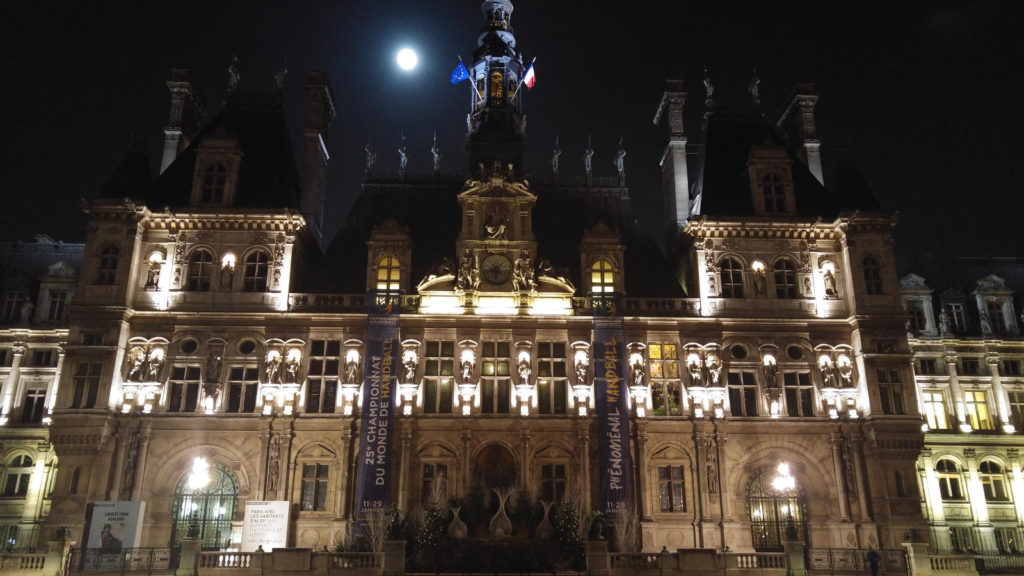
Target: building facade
765	354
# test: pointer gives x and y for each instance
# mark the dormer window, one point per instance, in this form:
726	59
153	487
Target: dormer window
215	179
872	275
774	192
257	265
389	272
602	276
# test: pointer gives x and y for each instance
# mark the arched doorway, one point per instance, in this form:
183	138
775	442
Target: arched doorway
494	467
214	507
776	508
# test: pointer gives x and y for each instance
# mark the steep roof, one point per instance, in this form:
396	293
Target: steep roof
268	176
132	174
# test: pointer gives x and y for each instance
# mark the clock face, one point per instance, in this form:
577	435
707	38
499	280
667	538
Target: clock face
496	269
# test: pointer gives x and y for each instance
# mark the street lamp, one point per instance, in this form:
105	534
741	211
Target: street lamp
784	484
198	479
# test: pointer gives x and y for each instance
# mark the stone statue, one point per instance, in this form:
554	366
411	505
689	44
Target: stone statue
620	159
436	152
827	372
755	92
272	370
234	77
759	282
709	89
212	372
638	372
496	232
588	154
943	322
27	308
467	271
693	367
554	157
351	372
771	375
403	156
467	372
524	370
291	369
830	284
409	363
986	324
136	358
581	371
281	74
714	368
371	157
522	274
846	374
156	362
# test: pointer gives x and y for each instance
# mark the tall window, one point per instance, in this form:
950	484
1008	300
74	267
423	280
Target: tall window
665	385
890	391
872	275
785	279
976	410
107	270
928	366
970	367
1016	401
775	516
671	493
993	481
314	486
918	322
602	276
86	385
243	387
742	393
552	482
774	193
962	539
552	390
58	300
934	405
1007	541
19	473
994	310
799	394
435	483
12	305
438	375
255	274
200	268
1011	367
732	278
183	388
215	179
34	406
495	384
948	474
956	315
389	273
212	509
322	385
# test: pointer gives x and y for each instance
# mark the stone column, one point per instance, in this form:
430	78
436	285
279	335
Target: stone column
934	499
403	467
955	391
861	475
583	444
1016	480
999	398
641	472
465	456
345	461
9	398
524	456
838	469
140	459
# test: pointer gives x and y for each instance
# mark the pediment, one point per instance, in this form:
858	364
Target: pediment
670	453
991	282
913	282
552	453
435	452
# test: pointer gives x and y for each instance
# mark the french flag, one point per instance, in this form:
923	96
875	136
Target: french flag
530	79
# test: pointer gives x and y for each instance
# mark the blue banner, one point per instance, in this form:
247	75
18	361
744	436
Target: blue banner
380	365
611	400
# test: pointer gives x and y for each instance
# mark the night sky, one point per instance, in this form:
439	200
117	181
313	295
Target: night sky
924	96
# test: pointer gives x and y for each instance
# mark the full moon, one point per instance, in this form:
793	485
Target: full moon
407	59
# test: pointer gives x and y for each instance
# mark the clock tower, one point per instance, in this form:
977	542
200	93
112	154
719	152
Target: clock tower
496	125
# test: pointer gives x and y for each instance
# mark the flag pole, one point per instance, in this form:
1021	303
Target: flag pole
523	79
472	82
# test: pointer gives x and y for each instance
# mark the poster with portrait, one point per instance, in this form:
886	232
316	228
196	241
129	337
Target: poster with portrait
116	526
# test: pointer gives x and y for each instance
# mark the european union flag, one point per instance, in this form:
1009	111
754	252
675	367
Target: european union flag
460	73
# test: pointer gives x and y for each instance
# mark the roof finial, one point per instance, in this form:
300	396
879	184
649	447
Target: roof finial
554	157
233	75
436	151
403	156
620	158
281	74
753	88
588	155
709	89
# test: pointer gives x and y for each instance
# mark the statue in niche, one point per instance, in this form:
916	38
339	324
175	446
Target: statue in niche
827	372
943	321
986	324
830	284
712	458
212	371
496	226
274	464
409	363
436	152
291	369
403	156
136	360
771	375
638	372
467	371
846	374
524	370
588	156
273	368
554	157
714	368
760	282
709	88
26	311
754	88
280	75
693	367
351	372
234	77
581	371
156	362
467	271
522	274
371	157
807	286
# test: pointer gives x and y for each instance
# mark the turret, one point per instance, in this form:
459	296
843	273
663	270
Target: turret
675	179
185	116
319	116
495	124
797	123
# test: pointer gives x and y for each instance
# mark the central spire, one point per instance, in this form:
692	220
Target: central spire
495	124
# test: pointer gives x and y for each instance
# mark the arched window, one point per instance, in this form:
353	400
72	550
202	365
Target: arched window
785	279
213	507
732	278
257	265
774	193
106	273
76	476
993	481
215	180
19	473
872	275
602	276
775	515
948	474
389	273
200	268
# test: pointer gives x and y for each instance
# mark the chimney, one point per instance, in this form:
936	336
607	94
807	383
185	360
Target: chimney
797	123
675	179
319	116
185	117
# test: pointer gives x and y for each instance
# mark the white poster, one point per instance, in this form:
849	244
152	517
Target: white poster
116	525
266	524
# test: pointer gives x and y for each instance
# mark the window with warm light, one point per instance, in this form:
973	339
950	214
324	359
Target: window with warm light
785	279
212	508
933	404
388	274
872	275
435	483
257	265
666	390
495	381
732	278
602	276
200	270
106	272
552	383
976	410
947	472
